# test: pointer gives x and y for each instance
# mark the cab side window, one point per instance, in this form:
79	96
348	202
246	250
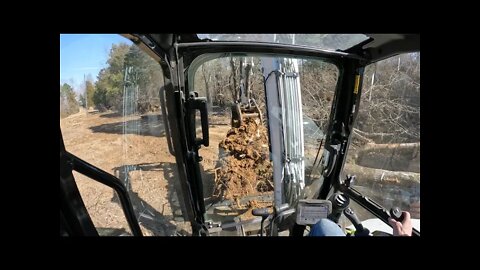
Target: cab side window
110	116
385	150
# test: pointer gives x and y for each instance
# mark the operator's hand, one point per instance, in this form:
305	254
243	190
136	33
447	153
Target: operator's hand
403	228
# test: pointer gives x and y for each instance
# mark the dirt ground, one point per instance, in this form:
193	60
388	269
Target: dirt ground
134	149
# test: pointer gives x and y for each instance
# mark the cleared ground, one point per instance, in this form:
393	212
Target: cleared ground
133	148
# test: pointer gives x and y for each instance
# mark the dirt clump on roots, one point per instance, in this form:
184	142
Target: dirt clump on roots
244	168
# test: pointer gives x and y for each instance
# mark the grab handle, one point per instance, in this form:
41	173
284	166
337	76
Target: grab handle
200	103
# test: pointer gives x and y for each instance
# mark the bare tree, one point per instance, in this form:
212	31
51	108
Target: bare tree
233	76
391	100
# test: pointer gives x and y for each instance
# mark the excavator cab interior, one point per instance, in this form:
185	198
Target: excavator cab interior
244	135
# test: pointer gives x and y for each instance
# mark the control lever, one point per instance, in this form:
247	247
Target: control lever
339	203
397	214
359	229
261	212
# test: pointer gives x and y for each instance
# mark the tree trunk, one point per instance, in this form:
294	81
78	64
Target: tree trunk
248	67
358	136
207	90
241	80
376	137
404	147
205	78
369	176
234	78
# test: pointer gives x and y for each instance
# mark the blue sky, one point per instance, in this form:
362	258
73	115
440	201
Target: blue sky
84	54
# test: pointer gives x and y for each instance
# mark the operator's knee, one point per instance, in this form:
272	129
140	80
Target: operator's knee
326	227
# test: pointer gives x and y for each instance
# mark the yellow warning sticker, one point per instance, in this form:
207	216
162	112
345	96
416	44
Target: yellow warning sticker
357	84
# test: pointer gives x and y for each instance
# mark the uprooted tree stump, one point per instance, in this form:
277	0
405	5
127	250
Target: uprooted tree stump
245	165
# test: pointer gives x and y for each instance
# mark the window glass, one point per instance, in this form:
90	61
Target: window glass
385	150
110	116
